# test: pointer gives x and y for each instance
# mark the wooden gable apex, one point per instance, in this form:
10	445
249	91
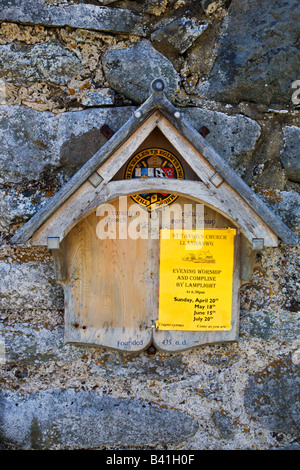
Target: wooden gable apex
219	186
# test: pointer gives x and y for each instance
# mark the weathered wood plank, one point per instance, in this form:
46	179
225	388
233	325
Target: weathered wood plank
59	264
247	260
108	169
88	199
200	166
109	289
223	200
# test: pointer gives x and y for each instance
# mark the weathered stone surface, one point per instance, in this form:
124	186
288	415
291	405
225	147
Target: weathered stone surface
12	205
257	53
107	2
150	367
214	7
292	446
272	396
29	284
290	155
33	344
286	204
57	419
130	71
37	337
16	207
265	325
155	7
34	141
103	97
288	209
200	58
180	33
83	16
49	62
273	295
233	137
224	424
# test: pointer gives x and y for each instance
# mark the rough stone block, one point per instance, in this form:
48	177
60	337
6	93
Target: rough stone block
33	141
180	33
84	16
272	396
286	204
233	137
102	98
28	284
257	53
33	344
290	155
130	71
57	419
49	62
16	207
265	325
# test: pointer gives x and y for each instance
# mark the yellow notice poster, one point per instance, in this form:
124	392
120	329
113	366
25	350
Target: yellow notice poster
195	283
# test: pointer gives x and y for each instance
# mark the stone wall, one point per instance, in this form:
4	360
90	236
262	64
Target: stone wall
67	68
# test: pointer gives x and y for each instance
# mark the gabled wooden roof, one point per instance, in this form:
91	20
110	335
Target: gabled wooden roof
175	127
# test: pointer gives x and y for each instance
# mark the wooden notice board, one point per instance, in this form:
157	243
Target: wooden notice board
131	289
113	285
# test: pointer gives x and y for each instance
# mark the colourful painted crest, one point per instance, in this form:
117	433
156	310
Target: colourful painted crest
154	163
